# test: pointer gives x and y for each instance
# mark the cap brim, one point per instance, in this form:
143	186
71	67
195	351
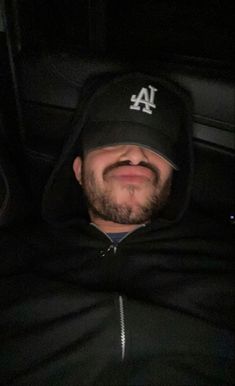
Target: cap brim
102	134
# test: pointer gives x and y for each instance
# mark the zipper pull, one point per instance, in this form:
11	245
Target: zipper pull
103	253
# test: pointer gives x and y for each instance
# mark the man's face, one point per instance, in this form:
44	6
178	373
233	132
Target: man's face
125	184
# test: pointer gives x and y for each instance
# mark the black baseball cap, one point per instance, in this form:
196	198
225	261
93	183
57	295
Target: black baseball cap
135	109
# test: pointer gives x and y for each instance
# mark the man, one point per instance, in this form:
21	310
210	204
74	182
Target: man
129	286
124	185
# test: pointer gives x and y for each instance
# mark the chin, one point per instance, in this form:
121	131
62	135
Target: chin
132	195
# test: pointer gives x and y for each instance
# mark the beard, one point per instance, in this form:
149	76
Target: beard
102	203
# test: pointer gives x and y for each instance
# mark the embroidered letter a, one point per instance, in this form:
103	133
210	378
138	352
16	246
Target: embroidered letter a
146	97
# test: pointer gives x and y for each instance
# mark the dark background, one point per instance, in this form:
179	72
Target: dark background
148	29
192	36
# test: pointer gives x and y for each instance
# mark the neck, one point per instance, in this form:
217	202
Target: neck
112	227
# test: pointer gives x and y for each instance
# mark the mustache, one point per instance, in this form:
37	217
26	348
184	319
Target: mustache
144	164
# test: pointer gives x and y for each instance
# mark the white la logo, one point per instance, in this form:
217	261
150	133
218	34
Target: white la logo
146	97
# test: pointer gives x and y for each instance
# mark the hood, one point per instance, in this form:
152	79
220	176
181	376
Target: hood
63	201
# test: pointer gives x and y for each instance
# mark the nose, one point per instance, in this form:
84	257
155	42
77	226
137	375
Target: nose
133	153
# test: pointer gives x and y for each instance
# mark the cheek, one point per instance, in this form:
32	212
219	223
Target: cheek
165	170
92	176
94	164
167	173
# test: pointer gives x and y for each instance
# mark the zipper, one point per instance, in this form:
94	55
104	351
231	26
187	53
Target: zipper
112	245
122	327
120	298
104	252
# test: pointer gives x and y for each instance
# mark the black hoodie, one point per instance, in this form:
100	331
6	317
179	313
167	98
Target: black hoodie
156	309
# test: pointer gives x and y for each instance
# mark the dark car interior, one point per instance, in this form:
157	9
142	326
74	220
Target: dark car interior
49	49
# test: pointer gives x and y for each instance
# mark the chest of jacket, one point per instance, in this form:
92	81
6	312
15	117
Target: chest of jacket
58	333
143	312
